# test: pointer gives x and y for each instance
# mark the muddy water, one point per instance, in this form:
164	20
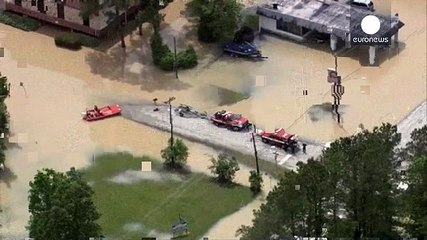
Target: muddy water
59	84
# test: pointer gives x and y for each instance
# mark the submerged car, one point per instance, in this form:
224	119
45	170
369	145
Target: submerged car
230	120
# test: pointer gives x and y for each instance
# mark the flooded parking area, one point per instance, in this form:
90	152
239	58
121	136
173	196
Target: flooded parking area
58	85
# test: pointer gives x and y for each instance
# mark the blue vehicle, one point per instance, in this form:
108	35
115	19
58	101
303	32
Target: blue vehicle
243	49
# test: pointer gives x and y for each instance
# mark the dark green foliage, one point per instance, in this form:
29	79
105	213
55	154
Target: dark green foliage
355	176
74	41
164	58
61	207
88	8
225	168
166	62
66	40
158	48
187	59
24	23
415	198
218	19
4	115
255	180
175	156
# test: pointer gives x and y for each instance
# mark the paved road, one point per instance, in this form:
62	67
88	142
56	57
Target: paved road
201	130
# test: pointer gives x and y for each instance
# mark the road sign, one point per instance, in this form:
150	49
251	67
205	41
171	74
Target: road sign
333	76
337	91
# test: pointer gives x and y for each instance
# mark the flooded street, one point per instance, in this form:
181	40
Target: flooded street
59	84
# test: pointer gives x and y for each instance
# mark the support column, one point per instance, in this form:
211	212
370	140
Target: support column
347	40
372	52
334	41
395	38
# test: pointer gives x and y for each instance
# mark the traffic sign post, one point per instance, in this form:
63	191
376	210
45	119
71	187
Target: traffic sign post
337	90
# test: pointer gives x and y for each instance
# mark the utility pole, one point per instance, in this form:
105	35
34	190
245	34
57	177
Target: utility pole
169	101
255	151
175	67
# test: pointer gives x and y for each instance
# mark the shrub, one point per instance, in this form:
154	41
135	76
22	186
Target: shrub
166	62
175	156
187	59
225	168
75	40
87	41
158	49
24	23
164	58
67	40
255	180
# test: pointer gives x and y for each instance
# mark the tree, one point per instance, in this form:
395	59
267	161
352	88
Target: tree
351	190
415	197
88	8
255	180
218	20
224	167
149	13
363	168
61	207
4	115
175	155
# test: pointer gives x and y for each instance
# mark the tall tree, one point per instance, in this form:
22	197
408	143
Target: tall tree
367	178
415	197
88	8
61	207
4	115
149	13
351	190
218	20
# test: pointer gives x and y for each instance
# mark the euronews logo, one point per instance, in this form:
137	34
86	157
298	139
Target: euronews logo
370	31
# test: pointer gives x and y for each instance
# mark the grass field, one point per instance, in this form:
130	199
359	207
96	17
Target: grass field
149	204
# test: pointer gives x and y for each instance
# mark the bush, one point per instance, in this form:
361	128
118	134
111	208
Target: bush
158	49
24	23
67	40
187	59
175	156
225	167
166	62
73	40
87	41
255	180
164	58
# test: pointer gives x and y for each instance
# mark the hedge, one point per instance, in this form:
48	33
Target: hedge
14	20
74	41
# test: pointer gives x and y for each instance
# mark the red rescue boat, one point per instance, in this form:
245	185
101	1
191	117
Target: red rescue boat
101	113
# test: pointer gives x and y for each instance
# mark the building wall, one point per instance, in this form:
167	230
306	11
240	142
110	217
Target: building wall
270	25
71	19
267	23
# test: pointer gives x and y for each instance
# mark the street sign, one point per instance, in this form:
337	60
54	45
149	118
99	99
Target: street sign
333	76
337	91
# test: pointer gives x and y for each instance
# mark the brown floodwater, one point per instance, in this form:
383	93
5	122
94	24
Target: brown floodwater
59	84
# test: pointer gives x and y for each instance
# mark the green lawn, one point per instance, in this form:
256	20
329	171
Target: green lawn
157	204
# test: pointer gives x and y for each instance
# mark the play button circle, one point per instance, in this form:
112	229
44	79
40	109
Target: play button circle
370	24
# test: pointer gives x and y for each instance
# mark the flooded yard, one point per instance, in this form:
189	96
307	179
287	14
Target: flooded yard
59	84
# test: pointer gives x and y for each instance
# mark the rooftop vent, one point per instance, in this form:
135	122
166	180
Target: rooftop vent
275	5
